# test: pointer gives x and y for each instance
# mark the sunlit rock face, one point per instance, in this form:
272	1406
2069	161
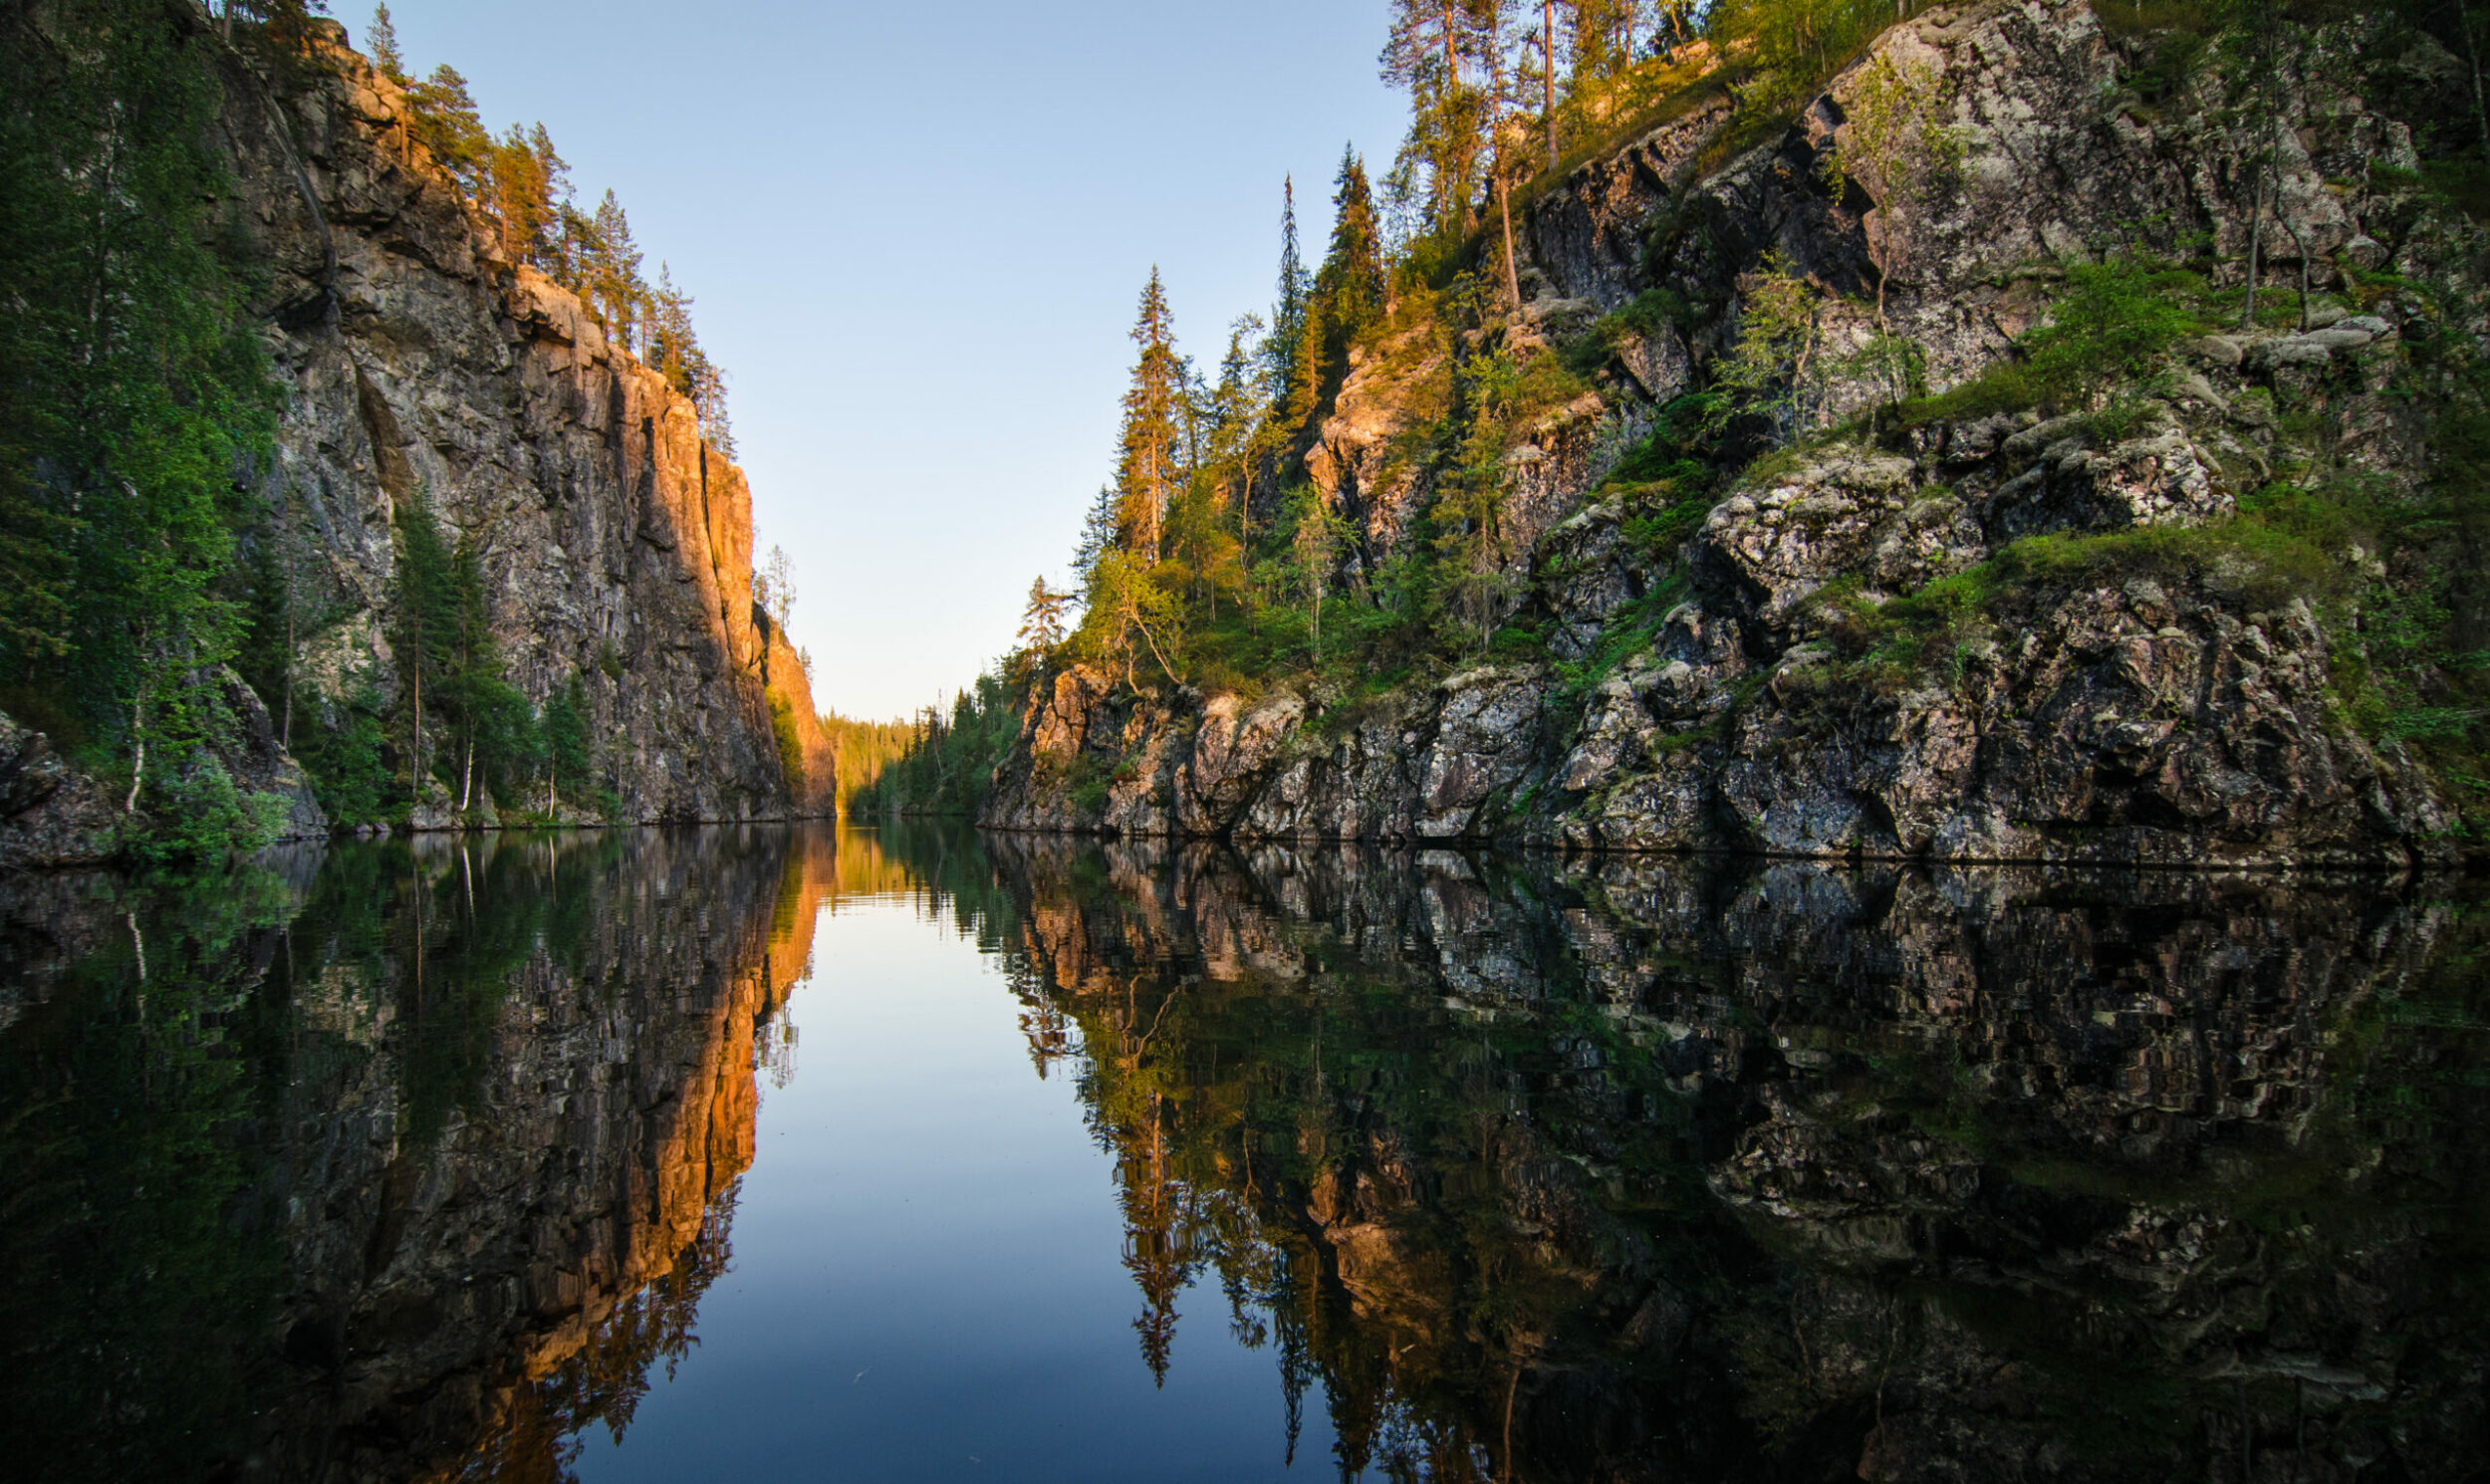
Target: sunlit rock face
1659	1169
424	367
466	1178
1708	686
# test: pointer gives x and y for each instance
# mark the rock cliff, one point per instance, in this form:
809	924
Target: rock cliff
1715	678
425	365
421	365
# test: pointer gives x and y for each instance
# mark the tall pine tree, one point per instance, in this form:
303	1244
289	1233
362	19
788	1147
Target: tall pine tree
381	40
1149	457
1432	55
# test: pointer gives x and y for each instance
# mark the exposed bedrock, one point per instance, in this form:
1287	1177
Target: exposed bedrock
1707	688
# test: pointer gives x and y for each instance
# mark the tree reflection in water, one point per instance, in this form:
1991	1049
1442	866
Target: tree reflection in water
385	1162
398	1162
1673	1169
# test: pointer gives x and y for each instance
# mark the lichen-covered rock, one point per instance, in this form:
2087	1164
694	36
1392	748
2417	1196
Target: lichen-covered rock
1234	748
2162	703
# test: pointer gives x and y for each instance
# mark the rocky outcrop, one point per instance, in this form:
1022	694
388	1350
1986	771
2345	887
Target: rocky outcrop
50	814
424	367
53	814
1735	678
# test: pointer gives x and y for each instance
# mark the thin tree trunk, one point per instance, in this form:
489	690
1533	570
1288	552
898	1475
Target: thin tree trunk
139	741
2302	248
2472	53
2256	223
416	746
1547	68
1512	270
285	737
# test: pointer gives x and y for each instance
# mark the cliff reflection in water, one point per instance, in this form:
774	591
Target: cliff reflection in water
1674	1170
395	1163
389	1162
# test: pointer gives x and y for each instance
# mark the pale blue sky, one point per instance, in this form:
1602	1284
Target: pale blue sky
915	234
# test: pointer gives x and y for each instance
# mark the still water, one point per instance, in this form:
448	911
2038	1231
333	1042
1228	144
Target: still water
915	1154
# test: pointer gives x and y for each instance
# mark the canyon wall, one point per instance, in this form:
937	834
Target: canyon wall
1701	686
422	365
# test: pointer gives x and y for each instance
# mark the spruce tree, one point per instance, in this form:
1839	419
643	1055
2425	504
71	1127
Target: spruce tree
134	394
615	287
382	41
425	632
1288	313
1097	534
1350	286
1148	460
1041	622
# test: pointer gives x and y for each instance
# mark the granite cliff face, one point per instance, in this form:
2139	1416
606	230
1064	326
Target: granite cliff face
1707	686
422	366
425	367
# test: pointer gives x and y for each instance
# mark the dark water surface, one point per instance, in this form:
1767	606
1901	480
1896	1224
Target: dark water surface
909	1154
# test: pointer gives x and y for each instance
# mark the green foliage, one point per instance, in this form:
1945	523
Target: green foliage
570	757
1788	49
790	743
1895	143
133	399
2109	328
1765	373
948	766
1148	458
864	750
198	816
344	749
1648	312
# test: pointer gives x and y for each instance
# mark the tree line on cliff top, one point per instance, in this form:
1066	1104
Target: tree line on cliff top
151	554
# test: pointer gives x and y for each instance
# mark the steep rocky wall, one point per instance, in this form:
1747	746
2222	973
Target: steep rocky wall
2182	719
423	367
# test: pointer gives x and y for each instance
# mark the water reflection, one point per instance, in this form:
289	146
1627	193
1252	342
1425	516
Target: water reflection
398	1163
386	1163
1677	1169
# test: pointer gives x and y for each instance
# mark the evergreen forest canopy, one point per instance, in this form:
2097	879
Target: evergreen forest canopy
148	549
1211	562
